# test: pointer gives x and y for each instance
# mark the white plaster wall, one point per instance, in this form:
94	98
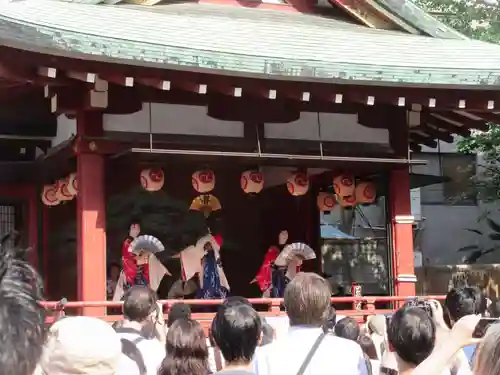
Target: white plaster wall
172	119
66	128
193	120
337	127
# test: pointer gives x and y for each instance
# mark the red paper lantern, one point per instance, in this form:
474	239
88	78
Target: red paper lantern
152	179
62	192
72	185
203	181
344	185
365	192
49	197
252	182
326	201
298	184
348	201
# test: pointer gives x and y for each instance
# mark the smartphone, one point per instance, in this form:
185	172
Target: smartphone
482	326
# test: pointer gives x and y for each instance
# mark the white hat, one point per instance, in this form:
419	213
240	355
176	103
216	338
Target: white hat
81	345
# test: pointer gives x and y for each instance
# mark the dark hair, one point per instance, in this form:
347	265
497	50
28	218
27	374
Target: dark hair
179	310
421	303
187	351
412	334
22	326
307	300
460	302
234	300
480	300
236	332
138	303
368	346
348	328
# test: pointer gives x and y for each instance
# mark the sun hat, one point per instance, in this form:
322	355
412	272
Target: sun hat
81	345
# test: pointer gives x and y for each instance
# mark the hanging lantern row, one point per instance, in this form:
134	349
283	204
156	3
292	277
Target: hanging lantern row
62	190
348	193
203	181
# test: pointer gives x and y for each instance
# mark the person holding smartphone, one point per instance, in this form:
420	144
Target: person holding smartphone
144	328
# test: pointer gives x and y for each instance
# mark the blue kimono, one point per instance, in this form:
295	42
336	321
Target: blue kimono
212	288
279	281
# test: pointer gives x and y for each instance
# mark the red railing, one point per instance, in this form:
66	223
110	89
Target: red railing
274	306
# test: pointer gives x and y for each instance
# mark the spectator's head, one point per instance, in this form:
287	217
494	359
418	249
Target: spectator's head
460	302
481	302
368	346
139	304
411	335
232	300
377	324
347	328
307	300
487	360
81	345
179	310
187	351
267	332
236	331
22	330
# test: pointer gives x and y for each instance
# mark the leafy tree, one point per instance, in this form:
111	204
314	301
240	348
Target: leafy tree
475	19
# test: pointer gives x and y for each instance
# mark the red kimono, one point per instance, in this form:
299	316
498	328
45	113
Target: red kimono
130	264
264	276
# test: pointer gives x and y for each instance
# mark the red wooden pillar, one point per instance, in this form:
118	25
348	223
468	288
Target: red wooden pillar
91	216
402	232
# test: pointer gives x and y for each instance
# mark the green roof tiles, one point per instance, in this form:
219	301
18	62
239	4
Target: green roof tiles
245	41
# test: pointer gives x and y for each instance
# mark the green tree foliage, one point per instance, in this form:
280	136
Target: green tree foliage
478	20
475	19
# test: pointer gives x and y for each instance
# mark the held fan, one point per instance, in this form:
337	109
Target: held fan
146	243
206	204
296	249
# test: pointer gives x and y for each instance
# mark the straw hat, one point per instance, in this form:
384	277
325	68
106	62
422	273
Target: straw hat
81	345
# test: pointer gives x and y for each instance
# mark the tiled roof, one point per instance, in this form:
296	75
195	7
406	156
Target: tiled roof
245	41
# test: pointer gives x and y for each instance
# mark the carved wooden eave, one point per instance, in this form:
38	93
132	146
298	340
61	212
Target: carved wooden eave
204	53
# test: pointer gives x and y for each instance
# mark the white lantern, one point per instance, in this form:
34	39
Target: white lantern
62	192
347	201
49	197
365	192
298	184
72	184
344	185
252	182
152	179
203	181
326	201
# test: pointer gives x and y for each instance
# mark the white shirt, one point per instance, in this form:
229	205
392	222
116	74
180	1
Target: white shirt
153	353
286	355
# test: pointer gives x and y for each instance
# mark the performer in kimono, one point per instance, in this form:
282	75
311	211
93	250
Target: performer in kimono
203	261
279	268
142	267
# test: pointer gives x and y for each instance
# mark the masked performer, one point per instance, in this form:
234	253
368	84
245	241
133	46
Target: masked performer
147	269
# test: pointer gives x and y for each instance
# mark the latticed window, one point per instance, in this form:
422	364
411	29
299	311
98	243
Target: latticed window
7	219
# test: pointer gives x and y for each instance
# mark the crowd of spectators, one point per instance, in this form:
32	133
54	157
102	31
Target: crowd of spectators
420	338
